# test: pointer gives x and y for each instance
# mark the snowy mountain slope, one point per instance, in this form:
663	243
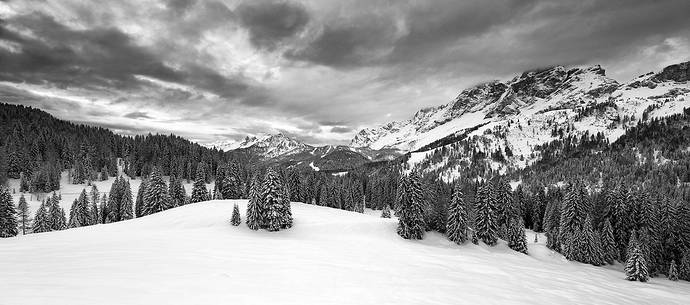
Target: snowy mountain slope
191	255
537	101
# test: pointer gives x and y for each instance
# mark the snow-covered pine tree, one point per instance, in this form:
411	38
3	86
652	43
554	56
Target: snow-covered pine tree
672	271
359	205
8	214
156	197
93	212
140	205
254	205
609	251
456	228
411	202
684	268
79	213
573	215
217	195
517	240
178	195
232	188
95	195
475	240
23	215
636	266
505	209
199	191
386	211
126	204
485	216
584	246
274	198
103	209
236	220
41	220
56	215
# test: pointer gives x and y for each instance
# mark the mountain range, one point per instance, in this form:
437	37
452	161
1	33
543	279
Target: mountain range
517	115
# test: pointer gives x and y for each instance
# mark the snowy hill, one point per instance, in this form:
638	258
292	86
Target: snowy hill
191	255
525	111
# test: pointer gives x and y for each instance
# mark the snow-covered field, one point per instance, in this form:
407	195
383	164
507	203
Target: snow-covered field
192	255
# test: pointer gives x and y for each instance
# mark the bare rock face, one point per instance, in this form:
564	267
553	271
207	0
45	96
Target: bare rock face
678	72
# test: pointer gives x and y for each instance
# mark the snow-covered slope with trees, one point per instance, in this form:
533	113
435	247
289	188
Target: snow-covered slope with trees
534	108
192	255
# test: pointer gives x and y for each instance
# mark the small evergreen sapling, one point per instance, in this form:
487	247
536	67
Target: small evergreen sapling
23	215
235	221
386	211
672	271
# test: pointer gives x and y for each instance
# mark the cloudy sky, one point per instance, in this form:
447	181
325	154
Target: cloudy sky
318	69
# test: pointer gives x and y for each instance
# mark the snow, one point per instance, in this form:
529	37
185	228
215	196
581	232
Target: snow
192	255
314	167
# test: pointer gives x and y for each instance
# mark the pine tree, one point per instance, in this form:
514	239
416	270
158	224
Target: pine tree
103	209
636	266
79	213
411	202
456	228
93	213
254	205
276	203
23	215
386	211
41	220
608	244
672	272
156	197
140	206
8	215
573	216
684	269
56	215
199	191
584	246
217	195
126	205
236	221
177	192
485	217
517	240
231	184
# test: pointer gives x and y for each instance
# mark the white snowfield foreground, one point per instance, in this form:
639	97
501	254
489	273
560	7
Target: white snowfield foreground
192	255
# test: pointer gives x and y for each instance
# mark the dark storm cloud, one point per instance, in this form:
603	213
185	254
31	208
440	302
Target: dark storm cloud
269	22
447	34
99	57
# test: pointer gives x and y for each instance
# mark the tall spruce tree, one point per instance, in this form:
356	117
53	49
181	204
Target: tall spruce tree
411	208
684	268
8	215
79	213
236	220
126	204
517	240
585	246
199	191
56	215
573	215
41	220
608	244
254	206
103	209
156	197
23	215
636	266
93	212
276	202
486	222
456	228
140	206
177	192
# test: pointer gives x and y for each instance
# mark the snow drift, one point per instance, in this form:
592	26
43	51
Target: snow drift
192	255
